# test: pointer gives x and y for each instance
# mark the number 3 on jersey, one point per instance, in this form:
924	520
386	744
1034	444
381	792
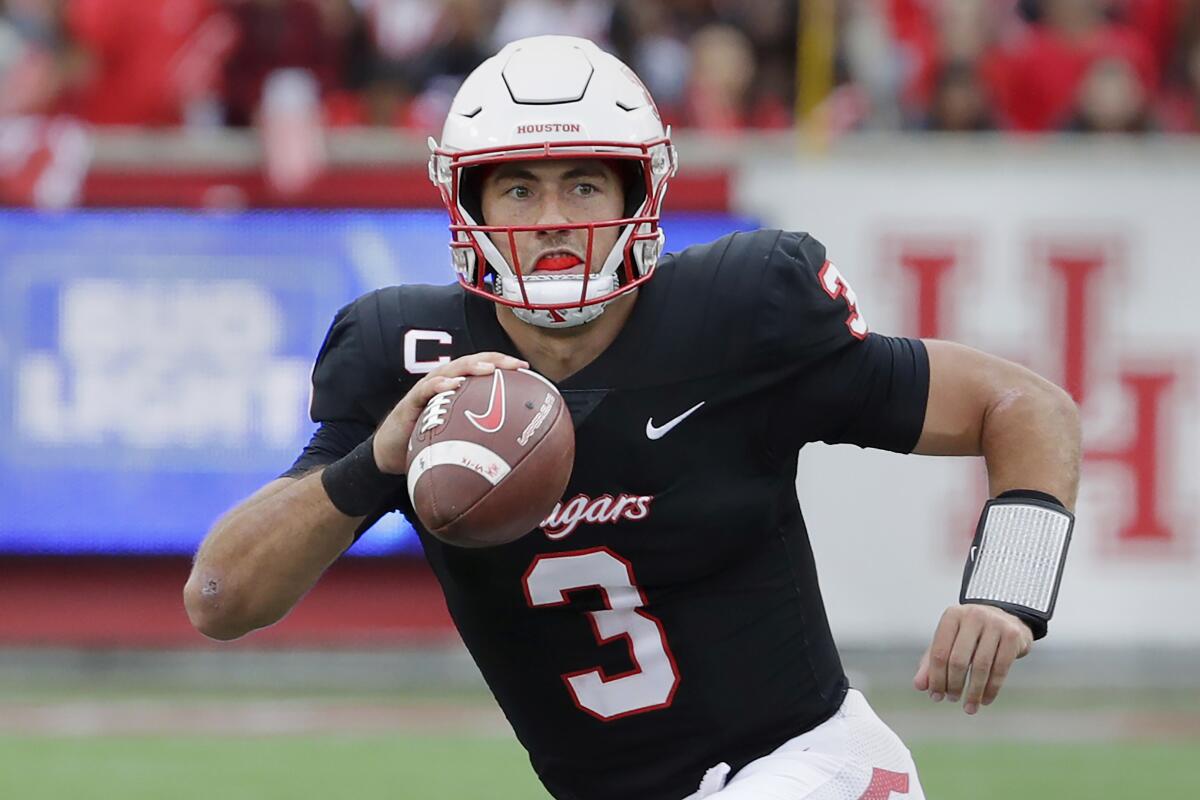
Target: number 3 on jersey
651	683
835	286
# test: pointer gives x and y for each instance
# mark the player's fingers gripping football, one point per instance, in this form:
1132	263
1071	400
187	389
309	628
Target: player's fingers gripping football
391	439
477	364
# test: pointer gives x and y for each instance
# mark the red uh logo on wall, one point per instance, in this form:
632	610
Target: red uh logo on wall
1130	398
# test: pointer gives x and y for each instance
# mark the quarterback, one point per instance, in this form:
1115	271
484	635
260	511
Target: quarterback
662	634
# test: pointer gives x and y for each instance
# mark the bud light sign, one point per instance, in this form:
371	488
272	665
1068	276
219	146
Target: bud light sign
155	367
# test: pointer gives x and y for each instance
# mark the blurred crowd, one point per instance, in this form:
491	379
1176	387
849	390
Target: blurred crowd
1123	66
717	65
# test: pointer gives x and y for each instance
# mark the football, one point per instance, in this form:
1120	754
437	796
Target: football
488	461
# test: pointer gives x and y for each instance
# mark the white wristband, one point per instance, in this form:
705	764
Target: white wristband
1018	555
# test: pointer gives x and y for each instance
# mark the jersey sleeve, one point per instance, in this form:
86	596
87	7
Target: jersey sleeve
871	394
847	384
329	442
347	390
808	309
352	390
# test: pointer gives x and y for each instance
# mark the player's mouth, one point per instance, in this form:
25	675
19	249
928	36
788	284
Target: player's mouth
557	262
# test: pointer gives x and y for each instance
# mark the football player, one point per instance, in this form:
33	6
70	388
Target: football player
662	634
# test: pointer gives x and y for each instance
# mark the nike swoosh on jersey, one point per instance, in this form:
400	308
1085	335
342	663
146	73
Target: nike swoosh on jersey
658	431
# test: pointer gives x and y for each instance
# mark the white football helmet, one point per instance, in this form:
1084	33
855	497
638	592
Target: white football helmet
553	97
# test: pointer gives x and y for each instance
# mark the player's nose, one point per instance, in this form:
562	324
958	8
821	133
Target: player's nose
551	212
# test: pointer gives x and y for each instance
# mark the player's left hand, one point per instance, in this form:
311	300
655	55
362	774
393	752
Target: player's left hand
979	639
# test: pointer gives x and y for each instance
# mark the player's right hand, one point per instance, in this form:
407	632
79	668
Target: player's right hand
391	438
972	651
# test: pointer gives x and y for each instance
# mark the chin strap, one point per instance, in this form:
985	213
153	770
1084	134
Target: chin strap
553	290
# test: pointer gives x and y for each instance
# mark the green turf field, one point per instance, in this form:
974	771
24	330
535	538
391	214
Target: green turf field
473	768
131	740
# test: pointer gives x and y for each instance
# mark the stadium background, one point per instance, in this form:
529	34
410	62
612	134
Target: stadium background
190	188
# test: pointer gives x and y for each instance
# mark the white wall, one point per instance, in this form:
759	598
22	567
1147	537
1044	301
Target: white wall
890	531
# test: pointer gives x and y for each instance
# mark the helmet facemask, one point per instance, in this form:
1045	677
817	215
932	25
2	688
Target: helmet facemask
548	299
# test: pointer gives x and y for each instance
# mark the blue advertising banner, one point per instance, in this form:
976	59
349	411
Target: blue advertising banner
154	367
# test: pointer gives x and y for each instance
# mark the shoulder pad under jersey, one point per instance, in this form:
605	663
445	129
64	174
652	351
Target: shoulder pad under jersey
378	346
751	299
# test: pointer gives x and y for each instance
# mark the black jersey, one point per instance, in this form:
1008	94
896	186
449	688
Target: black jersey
666	616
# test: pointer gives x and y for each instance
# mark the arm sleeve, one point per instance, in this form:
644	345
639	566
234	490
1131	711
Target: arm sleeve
845	385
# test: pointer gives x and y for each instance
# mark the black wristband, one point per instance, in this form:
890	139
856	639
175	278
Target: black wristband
1032	494
354	483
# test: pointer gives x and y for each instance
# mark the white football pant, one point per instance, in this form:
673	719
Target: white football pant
851	756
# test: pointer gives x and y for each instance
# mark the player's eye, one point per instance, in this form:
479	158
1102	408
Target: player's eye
586	189
519	192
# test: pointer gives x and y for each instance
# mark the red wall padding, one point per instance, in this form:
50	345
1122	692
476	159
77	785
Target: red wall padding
342	187
137	602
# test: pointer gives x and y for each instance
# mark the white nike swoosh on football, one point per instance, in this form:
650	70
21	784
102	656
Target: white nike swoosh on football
658	431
